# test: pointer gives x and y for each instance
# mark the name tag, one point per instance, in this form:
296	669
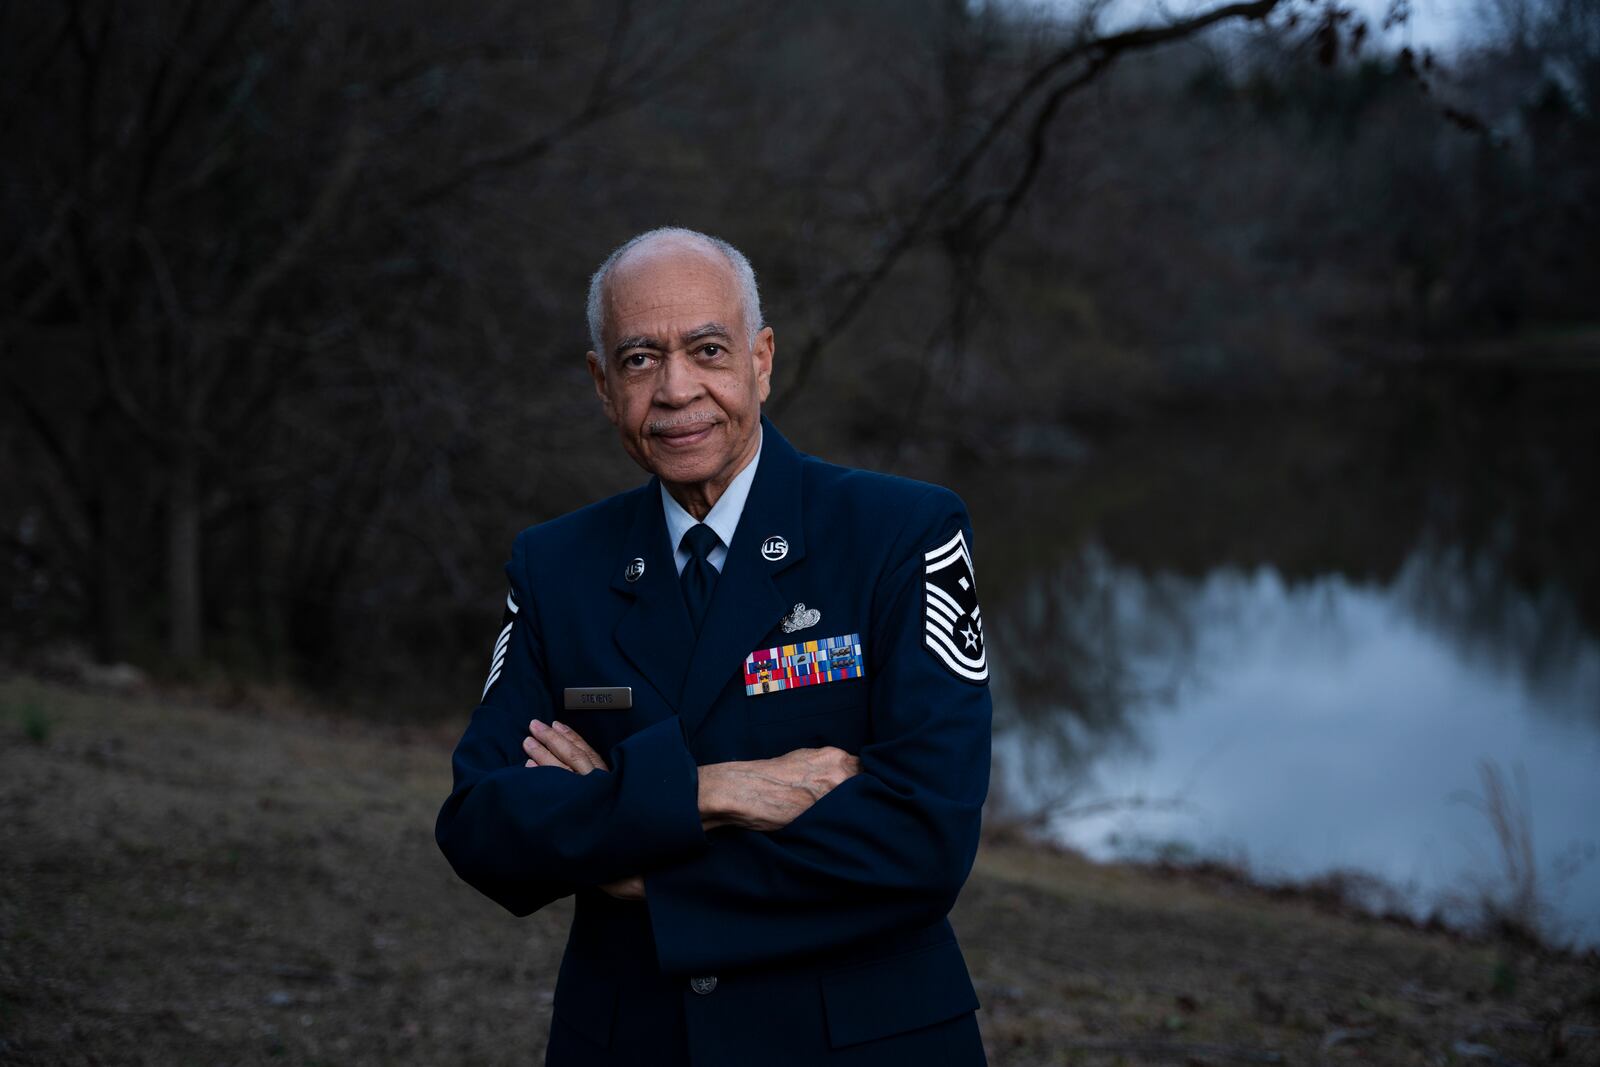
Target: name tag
606	697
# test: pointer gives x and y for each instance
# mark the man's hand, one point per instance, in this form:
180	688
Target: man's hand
763	794
769	794
629	888
559	745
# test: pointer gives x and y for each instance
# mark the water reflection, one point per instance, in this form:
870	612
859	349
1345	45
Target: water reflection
1293	633
1471	601
1086	640
1307	725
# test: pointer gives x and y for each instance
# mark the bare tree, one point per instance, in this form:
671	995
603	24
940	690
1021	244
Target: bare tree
222	198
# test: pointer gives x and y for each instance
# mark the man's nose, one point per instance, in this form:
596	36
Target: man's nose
678	383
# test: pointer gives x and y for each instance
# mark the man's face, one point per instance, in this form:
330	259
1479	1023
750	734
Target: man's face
680	380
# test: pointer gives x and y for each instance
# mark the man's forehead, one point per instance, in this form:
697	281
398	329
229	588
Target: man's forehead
678	289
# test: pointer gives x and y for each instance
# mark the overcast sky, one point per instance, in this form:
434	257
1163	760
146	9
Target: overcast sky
1436	24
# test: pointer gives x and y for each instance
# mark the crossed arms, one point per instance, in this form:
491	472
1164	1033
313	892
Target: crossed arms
764	794
745	862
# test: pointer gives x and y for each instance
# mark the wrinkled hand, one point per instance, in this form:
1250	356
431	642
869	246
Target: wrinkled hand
629	888
769	794
558	745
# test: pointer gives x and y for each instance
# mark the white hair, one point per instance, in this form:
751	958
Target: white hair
750	296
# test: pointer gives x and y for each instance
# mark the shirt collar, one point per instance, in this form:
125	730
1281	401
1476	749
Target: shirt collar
724	514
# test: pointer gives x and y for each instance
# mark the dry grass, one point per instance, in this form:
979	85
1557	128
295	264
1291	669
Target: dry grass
182	884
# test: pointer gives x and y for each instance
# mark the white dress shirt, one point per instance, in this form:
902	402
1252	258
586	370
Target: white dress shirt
723	517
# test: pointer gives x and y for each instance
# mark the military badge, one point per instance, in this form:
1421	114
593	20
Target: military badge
826	659
952	620
800	618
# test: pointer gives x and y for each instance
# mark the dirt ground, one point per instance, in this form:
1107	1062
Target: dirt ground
187	884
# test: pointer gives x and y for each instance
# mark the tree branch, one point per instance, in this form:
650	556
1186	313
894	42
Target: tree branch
1099	52
342	177
162	131
600	103
22	87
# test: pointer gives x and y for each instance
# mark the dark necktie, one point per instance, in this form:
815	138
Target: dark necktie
699	576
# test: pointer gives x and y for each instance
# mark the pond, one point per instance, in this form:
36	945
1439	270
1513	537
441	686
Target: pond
1356	640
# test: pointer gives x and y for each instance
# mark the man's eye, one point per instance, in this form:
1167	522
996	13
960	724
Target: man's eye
711	351
635	360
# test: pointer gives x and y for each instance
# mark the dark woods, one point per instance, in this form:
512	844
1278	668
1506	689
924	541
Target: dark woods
291	324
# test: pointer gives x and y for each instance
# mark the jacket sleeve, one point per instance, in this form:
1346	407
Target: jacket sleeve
525	836
889	848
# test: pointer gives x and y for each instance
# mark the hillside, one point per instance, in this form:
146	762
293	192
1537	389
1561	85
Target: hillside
185	883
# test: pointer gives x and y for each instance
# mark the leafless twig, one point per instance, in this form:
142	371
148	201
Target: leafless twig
1098	53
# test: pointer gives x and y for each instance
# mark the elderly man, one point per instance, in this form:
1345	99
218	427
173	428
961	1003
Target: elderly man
741	713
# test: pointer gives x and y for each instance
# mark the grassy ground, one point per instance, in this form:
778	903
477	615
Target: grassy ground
186	884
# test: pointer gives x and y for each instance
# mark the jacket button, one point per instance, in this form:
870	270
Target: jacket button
703	983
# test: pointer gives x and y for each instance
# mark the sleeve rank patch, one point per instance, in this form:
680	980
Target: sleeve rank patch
498	661
952	620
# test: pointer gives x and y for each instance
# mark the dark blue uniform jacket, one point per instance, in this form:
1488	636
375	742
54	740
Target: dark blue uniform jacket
826	941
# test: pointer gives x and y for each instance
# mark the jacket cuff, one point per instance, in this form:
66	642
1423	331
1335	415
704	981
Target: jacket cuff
660	792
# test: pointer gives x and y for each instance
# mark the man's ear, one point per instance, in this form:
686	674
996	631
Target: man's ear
598	373
765	348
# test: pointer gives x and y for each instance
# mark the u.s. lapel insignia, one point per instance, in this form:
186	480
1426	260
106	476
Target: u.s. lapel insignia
815	662
635	570
952	620
774	548
800	618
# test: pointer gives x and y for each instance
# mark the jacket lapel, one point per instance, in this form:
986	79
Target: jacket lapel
654	633
746	603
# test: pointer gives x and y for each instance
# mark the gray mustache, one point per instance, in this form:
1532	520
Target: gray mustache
689	419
